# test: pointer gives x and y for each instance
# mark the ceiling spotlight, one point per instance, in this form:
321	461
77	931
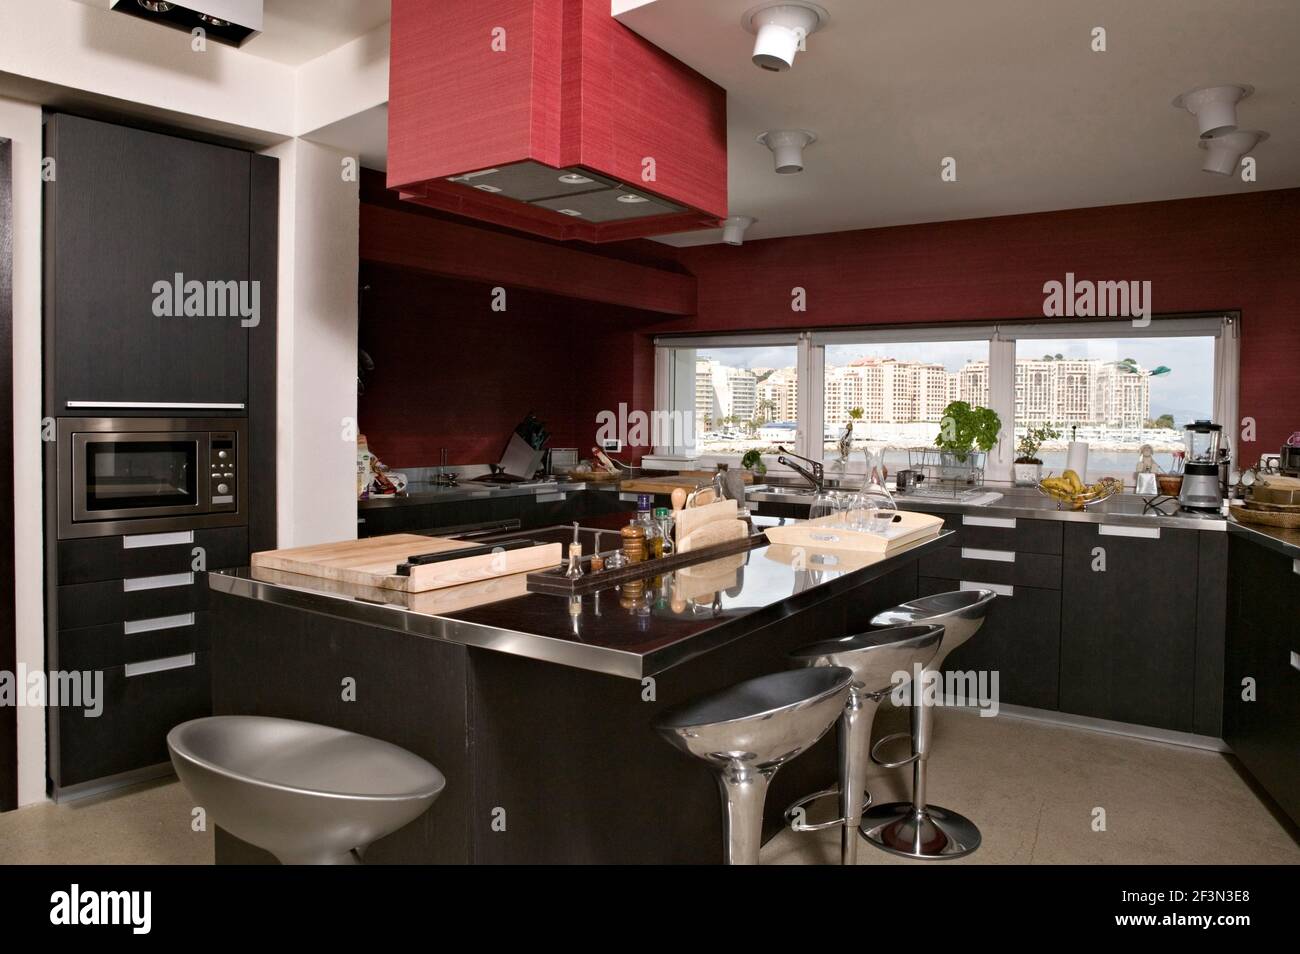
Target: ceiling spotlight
1223	153
572	178
787	146
733	229
1215	107
781	28
573	212
631	198
155	6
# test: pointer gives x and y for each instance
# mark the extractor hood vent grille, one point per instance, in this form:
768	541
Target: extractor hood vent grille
576	192
227	21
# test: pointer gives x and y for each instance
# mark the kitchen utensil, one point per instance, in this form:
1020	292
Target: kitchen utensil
679	499
1147	485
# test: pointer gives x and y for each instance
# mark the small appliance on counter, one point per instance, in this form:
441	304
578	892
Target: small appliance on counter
523	454
560	461
1289	458
1202	488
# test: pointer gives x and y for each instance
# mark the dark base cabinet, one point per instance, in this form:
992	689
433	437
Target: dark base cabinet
570	756
1263	641
531	510
1128	633
1020	641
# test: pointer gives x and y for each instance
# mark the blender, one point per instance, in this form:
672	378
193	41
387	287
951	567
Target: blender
1201	491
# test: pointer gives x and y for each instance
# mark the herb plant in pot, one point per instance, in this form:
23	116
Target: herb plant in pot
753	462
963	430
1028	467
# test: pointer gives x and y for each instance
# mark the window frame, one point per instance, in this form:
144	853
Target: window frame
1222	326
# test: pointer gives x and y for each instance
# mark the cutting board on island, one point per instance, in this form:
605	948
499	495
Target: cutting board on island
688	480
374	561
907	526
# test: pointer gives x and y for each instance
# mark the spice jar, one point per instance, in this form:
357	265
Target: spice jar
634	542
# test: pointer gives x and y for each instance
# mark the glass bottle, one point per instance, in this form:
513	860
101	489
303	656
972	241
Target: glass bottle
646	520
664	542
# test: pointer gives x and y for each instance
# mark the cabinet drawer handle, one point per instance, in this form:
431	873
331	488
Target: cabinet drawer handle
629	497
138	583
1295	659
159	665
161	405
1006	523
1295	567
549	498
998	588
133	626
998	556
142	541
1119	530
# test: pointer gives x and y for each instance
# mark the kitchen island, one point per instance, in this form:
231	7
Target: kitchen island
539	708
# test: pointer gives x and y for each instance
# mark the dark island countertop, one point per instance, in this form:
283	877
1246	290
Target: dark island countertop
629	631
1283	541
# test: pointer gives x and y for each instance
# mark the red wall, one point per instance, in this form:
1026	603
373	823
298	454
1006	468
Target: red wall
1233	252
451	372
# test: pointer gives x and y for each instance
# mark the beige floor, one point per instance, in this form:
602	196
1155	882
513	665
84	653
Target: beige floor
1031	788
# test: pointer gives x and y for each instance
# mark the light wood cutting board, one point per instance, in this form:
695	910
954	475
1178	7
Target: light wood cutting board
688	480
373	562
719	531
692	518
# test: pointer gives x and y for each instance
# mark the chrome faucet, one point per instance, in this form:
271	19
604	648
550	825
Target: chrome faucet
817	477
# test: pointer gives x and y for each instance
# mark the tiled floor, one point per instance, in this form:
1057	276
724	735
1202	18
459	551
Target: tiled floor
1031	788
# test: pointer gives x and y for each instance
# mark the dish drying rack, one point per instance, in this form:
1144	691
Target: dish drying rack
946	477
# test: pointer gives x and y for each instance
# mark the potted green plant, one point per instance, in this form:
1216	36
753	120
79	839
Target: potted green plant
845	443
1028	468
964	429
753	461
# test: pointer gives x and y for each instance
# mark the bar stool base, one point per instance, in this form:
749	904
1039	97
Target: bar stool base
931	833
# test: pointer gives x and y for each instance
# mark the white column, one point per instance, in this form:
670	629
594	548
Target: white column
1002	398
317	345
21	123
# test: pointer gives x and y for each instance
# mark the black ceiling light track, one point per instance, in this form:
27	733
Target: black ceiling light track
188	19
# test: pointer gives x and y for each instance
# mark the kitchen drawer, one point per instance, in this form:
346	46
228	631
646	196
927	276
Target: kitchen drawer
150	554
1007	567
133	641
1020	639
135	598
399	518
1004	533
139	709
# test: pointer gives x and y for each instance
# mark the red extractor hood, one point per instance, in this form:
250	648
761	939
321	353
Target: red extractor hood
552	117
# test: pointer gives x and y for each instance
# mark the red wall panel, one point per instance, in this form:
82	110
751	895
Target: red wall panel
1230	252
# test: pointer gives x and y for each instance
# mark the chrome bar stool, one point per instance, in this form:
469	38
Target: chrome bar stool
916	829
874	657
748	731
307	793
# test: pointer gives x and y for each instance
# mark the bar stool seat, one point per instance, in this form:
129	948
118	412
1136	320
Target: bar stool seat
307	793
875	658
745	733
917	829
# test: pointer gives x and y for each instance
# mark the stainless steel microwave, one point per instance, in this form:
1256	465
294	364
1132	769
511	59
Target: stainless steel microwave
150	475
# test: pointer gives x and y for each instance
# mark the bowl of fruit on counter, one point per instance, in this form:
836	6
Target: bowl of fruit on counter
1070	489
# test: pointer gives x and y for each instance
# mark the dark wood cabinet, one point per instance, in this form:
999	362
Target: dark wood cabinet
1020	641
128	214
1128	632
1263	646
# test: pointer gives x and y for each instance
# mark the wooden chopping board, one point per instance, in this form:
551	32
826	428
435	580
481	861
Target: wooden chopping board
691	519
373	562
719	531
688	480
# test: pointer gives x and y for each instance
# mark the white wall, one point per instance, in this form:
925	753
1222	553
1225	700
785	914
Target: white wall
317	342
21	122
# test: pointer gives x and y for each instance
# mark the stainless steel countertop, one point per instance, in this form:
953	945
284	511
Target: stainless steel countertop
1286	542
424	493
1125	509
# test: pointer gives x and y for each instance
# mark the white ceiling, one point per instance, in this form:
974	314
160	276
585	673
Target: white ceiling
295	31
1009	88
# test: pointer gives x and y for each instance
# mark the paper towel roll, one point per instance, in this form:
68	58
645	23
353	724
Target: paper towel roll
1076	459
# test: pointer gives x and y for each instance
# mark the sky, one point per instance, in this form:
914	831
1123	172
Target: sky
1187	392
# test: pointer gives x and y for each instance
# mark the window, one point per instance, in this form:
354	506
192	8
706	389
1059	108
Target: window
1113	384
901	390
1115	393
736	398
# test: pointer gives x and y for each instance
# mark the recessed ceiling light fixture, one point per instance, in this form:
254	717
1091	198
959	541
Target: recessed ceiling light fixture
484	187
631	198
572	178
155	6
787	147
781	27
1224	153
733	229
1215	107
573	212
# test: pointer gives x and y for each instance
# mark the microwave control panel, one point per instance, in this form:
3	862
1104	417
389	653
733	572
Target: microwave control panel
224	470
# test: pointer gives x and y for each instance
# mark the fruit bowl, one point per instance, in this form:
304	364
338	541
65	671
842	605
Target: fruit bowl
1055	487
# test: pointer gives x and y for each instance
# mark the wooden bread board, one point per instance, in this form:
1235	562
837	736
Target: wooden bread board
692	518
831	533
688	480
373	562
711	534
